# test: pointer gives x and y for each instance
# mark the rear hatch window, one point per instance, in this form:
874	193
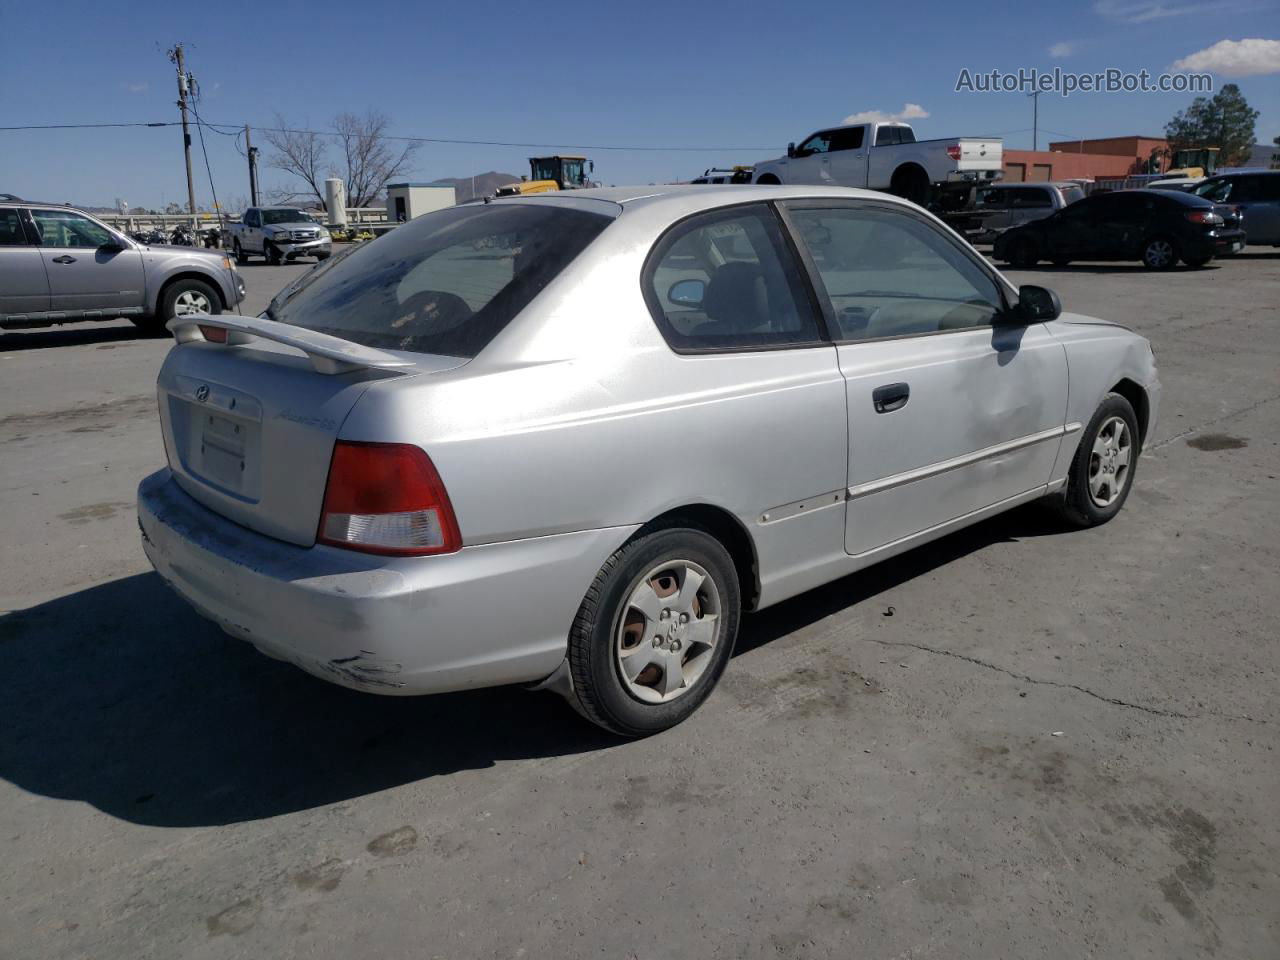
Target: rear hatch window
444	283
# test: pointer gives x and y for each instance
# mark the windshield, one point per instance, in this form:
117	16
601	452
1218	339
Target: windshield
286	216
1215	190
446	282
1071	194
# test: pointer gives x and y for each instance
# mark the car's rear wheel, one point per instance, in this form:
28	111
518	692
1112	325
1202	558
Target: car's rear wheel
654	631
1159	253
241	257
1103	468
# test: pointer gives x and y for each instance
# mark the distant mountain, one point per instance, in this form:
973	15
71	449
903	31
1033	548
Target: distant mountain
485	184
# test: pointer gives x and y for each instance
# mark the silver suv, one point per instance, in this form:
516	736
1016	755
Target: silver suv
60	265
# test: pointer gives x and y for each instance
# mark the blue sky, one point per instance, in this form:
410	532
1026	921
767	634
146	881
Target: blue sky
717	76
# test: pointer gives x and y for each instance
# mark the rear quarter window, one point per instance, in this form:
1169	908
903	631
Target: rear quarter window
444	283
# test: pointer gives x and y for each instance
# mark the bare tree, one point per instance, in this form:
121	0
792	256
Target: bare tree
300	153
371	162
367	162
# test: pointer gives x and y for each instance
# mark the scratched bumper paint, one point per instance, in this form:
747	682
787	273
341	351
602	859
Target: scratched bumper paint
488	615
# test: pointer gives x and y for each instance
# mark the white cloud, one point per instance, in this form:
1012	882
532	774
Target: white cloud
1143	11
909	111
1235	58
137	87
1063	49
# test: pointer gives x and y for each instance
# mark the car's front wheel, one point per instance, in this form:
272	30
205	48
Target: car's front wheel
1160	253
1023	252
1102	471
273	253
654	631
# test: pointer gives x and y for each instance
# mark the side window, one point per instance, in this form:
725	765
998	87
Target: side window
725	280
251	218
1083	211
889	274
11	234
1269	186
1032	197
818	143
992	197
62	228
887	137
850	139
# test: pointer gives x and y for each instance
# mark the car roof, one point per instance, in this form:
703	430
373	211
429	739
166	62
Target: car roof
1176	196
1034	183
677	200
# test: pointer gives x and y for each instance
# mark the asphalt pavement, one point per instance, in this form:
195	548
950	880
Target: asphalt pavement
1018	741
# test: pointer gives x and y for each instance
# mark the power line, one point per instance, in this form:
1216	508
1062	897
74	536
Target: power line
405	139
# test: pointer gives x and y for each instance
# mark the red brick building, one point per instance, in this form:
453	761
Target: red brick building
1110	157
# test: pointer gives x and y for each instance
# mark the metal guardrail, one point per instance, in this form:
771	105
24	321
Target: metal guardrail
133	222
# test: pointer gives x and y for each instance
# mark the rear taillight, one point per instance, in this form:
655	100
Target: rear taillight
386	498
214	334
953	152
1207	217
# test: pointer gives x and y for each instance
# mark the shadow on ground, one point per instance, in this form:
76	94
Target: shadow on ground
119	696
12	341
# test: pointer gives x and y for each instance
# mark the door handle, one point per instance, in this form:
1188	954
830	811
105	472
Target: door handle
890	397
65	258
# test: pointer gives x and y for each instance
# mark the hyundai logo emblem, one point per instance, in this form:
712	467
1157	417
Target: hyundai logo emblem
202	392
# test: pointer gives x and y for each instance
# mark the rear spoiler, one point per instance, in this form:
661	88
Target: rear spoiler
329	355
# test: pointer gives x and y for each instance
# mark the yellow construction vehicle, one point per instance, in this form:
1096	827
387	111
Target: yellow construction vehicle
551	173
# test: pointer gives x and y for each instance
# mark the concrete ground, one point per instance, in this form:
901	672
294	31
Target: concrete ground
1016	742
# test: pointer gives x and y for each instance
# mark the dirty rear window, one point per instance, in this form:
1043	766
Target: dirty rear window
443	283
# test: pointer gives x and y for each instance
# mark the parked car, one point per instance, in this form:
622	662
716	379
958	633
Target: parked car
574	461
61	265
1158	227
738	174
1000	207
1257	195
1185	184
887	156
279	234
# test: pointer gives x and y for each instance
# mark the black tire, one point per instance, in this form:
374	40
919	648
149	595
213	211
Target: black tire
183	293
1160	253
1061	263
769	179
1023	252
1197	262
598	686
272	252
241	257
322	257
1077	505
910	183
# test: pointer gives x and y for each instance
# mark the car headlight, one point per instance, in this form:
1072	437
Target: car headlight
282	237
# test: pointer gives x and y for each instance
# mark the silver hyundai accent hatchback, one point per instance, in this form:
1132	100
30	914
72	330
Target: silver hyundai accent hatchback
566	440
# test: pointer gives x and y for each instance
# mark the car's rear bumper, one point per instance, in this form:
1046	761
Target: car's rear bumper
487	615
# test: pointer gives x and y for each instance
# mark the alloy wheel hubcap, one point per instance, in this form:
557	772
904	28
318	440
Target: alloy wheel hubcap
1109	462
668	631
1159	253
189	301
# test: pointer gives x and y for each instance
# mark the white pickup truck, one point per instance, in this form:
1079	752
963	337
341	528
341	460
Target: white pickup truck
279	233
887	156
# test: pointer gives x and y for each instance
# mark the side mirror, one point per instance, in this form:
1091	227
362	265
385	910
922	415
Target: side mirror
114	245
791	149
1037	304
687	293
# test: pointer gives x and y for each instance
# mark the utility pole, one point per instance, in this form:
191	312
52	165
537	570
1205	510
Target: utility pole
184	89
252	151
1035	119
